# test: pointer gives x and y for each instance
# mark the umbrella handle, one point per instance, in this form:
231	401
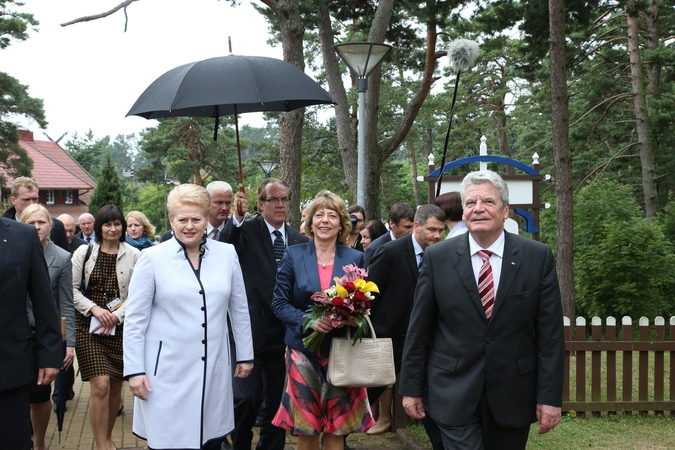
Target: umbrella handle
63	328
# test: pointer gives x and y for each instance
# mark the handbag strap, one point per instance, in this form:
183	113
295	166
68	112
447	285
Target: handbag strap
370	325
86	258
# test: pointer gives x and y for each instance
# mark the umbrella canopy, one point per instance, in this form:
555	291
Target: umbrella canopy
214	87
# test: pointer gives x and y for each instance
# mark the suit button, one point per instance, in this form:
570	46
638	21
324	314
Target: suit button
203	325
201	292
488	341
203	341
202	308
203	358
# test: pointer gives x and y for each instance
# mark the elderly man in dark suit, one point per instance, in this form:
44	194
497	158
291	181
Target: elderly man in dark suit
395	269
260	244
401	217
23	271
491	301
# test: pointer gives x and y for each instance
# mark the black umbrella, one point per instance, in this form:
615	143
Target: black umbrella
61	385
229	85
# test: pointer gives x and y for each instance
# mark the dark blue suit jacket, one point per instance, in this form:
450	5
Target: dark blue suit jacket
297	280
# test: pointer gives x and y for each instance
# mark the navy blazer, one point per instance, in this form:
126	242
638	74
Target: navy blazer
297	280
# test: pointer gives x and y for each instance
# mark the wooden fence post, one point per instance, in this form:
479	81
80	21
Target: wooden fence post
627	335
611	360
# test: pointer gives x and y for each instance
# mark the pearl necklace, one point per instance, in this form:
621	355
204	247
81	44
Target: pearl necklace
323	264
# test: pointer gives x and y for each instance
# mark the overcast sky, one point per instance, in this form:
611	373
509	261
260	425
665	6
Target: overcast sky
90	74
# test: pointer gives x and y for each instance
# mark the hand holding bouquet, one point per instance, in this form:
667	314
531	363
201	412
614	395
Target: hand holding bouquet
349	298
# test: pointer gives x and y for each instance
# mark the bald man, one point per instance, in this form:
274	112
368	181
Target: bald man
71	232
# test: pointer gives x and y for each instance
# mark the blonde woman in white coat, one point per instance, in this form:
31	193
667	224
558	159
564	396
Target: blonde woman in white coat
176	345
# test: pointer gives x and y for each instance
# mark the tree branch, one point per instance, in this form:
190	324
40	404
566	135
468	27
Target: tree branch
122	5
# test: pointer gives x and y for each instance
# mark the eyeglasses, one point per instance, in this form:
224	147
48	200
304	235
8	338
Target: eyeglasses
274	200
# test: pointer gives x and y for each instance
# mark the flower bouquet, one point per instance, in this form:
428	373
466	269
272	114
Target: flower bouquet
349	298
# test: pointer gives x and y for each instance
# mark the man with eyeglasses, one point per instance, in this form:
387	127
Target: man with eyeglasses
25	192
260	243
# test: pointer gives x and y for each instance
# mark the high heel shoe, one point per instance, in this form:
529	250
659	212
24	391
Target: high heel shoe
379	428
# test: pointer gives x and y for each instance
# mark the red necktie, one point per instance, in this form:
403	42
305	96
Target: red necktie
486	288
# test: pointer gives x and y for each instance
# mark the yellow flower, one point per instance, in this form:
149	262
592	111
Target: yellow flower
365	286
341	291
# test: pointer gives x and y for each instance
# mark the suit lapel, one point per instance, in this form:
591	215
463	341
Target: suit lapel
311	268
462	261
50	255
511	262
410	257
6	244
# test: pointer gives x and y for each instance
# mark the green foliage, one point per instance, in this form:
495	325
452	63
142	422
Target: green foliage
151	201
615	248
88	151
109	188
14	98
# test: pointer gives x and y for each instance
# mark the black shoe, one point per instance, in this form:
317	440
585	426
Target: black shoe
258	420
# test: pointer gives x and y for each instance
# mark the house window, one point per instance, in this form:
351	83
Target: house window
69	197
49	197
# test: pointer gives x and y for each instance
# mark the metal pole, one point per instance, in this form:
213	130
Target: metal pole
361	172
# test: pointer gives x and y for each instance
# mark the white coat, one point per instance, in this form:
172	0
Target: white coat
176	333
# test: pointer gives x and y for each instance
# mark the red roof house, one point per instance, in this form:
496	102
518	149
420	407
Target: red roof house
65	187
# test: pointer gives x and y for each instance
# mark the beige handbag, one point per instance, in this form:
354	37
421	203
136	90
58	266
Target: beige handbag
366	363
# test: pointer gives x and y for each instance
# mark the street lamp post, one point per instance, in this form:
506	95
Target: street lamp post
362	58
268	166
129	173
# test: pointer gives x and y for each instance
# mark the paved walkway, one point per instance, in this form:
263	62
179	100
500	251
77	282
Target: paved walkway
77	433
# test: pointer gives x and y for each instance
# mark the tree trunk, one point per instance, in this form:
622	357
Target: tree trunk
641	112
654	86
292	33
413	169
345	132
562	158
373	151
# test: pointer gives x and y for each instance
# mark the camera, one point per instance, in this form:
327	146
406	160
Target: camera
354	220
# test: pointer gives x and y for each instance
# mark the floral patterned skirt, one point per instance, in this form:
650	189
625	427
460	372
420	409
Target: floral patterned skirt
310	405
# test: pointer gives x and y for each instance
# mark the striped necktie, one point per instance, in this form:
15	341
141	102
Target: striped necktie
486	288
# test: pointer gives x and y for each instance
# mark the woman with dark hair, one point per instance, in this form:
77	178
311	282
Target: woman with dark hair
106	268
372	230
357	215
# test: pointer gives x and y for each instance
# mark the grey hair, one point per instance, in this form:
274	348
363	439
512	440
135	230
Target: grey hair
486	176
218	186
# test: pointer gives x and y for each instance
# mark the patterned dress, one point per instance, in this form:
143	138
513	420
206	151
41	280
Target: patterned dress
100	355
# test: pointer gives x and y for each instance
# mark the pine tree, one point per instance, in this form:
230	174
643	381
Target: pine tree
109	189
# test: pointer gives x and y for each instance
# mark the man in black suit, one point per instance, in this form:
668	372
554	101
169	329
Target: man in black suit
401	217
86	224
25	192
71	232
254	240
395	268
491	301
23	271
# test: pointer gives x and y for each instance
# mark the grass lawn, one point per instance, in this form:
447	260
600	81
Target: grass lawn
635	432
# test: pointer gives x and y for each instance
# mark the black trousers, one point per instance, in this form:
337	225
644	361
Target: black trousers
15	419
483	432
265	385
429	424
